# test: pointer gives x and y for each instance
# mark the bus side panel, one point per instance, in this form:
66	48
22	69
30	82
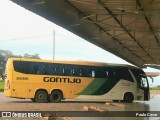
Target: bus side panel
77	88
68	85
63	87
140	94
30	90
118	91
19	90
47	83
22	86
97	89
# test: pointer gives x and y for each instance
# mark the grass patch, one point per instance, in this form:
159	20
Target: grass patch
1	85
155	88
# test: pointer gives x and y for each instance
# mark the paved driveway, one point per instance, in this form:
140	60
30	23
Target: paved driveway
21	105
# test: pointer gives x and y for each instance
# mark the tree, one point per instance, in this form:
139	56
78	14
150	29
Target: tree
5	54
35	56
2	66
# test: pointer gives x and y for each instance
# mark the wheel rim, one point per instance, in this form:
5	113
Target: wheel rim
41	97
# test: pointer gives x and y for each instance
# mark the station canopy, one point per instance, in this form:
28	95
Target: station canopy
152	74
129	29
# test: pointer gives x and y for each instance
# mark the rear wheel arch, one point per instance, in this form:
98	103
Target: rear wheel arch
40	90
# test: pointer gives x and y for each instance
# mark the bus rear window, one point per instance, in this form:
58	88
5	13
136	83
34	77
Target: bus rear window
22	66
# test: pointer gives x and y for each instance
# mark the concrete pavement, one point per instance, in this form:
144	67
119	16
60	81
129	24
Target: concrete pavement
13	104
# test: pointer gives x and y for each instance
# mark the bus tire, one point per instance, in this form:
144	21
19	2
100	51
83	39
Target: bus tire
56	96
41	96
128	97
115	100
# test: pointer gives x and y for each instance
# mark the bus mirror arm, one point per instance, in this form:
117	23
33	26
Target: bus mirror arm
152	78
148	76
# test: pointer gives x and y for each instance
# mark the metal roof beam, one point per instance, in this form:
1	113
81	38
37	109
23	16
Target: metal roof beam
150	27
115	39
115	18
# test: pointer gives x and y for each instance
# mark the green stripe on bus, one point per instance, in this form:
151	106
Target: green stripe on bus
99	86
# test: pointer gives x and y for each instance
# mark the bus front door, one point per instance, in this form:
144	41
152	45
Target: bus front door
144	86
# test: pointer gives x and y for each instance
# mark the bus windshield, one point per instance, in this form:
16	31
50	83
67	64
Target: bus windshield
143	82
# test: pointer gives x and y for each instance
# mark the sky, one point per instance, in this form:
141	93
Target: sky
22	31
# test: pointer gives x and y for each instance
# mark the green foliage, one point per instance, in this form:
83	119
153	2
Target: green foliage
1	85
35	56
155	88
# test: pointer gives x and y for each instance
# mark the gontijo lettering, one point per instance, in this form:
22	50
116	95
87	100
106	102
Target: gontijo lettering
61	80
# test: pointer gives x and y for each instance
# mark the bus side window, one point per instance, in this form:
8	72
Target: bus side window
67	71
46	70
53	69
93	73
50	69
123	73
80	72
56	70
86	71
23	67
35	69
59	70
107	73
72	71
113	74
43	69
75	71
100	72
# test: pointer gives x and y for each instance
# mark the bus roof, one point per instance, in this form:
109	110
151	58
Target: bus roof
78	62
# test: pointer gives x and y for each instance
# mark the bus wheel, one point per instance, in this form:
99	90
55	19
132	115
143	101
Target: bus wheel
115	100
56	96
128	97
41	96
